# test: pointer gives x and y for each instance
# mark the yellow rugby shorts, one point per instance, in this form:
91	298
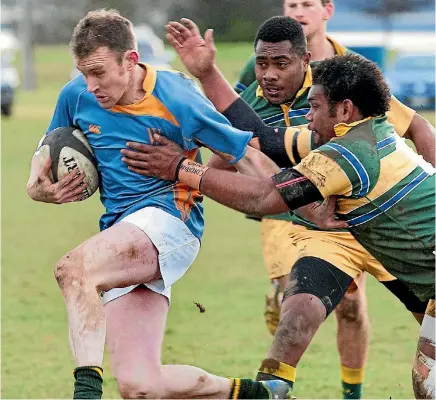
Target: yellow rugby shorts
283	243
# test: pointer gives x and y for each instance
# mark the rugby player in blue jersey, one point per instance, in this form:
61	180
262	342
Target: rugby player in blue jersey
151	228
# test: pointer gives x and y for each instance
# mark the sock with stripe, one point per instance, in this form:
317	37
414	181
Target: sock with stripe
88	384
352	381
271	369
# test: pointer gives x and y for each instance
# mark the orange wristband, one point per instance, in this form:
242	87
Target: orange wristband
191	173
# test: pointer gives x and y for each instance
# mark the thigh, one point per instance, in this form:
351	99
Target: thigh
175	245
135	330
120	256
337	248
315	276
279	252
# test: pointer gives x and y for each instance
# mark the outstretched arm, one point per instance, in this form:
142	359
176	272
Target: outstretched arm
248	194
261	195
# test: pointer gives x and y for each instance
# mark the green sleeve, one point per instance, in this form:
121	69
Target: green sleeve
247	75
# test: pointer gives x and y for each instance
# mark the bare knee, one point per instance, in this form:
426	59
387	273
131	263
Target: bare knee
352	308
69	270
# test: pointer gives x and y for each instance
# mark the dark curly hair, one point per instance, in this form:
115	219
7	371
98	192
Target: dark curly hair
355	78
278	29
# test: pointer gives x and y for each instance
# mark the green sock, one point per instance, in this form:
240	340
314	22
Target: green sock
352	381
351	390
88	383
248	389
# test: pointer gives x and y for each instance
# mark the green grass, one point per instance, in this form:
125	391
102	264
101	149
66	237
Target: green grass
228	278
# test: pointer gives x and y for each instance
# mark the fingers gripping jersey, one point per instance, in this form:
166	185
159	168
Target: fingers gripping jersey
172	106
387	196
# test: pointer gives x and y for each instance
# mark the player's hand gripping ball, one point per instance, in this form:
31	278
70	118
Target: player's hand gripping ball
69	150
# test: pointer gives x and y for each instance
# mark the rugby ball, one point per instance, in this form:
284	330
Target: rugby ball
69	150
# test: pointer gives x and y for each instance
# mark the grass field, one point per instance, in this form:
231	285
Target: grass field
228	278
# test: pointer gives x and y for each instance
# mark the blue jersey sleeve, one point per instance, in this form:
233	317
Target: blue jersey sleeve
202	124
65	107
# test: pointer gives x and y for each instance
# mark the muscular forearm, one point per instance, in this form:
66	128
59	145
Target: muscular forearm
422	134
217	89
251	195
247	194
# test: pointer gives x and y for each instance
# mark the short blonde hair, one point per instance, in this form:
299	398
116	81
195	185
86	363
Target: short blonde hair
101	28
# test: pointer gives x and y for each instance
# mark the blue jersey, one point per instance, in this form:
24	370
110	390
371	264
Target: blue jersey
172	106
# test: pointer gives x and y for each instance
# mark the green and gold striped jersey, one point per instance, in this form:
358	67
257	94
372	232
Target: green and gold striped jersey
386	195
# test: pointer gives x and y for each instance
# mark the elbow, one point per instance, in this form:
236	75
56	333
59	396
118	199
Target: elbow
30	188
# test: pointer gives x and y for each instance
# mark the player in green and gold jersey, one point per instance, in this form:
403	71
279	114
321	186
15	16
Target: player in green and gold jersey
279	96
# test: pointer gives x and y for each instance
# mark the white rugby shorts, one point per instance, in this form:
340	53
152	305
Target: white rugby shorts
176	245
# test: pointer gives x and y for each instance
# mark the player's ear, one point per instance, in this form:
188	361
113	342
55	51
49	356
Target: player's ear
329	9
306	59
132	57
347	110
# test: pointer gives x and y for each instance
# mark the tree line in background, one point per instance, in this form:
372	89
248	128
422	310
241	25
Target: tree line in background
232	20
54	20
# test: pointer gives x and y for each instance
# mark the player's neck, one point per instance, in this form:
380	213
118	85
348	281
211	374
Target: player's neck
136	91
319	46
